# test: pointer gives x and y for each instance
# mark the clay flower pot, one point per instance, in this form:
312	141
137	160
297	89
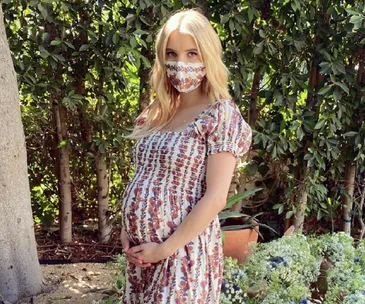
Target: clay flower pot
239	229
236	243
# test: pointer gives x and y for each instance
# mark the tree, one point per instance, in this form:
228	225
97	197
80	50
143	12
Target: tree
297	74
20	273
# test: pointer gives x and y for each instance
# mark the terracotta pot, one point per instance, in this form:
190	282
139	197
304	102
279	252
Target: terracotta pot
236	243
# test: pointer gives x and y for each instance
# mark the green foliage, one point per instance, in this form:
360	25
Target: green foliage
120	279
296	69
69	54
337	248
251	221
357	298
231	293
285	270
307	88
277	273
114	295
346	276
240	196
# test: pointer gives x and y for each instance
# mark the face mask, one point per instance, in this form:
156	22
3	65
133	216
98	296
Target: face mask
185	77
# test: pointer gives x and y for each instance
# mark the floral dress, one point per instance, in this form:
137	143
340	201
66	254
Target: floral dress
170	178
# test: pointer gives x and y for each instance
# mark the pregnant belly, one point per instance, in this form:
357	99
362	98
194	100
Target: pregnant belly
152	214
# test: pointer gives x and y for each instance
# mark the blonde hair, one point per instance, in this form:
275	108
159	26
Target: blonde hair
164	97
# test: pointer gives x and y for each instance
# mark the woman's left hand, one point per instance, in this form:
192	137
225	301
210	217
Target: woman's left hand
148	252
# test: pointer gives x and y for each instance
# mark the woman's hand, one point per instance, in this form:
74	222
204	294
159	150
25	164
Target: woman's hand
149	252
126	246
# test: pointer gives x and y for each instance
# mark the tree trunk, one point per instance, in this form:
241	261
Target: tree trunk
300	212
361	207
62	161
103	200
20	273
239	181
64	183
102	180
348	198
313	84
80	66
311	101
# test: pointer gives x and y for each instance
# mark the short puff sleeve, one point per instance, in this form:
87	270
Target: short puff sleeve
227	130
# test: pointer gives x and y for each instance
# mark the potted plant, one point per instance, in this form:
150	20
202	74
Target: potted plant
239	229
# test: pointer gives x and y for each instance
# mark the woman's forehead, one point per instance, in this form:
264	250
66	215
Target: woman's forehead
180	41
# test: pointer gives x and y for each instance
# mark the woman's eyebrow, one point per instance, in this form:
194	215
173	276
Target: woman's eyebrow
189	50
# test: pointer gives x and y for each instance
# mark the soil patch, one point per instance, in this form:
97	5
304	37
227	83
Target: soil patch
79	283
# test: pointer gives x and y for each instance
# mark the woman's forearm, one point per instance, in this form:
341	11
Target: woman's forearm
202	214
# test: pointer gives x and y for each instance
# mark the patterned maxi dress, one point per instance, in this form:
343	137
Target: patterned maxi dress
170	178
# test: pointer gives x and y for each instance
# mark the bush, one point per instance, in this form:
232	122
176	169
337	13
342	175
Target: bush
114	294
275	272
232	292
286	271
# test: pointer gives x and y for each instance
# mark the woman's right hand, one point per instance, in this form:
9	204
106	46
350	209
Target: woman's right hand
126	245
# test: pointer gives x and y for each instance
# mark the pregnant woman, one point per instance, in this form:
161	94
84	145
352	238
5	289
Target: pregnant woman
188	141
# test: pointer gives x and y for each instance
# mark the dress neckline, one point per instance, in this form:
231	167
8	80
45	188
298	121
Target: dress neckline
189	124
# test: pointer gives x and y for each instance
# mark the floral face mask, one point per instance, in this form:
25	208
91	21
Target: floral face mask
185	77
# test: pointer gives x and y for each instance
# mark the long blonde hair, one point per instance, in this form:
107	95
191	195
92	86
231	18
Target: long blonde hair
164	97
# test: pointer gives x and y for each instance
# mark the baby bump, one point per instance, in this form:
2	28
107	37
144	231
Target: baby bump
152	214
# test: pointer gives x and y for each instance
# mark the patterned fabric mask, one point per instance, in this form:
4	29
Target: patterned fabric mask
185	77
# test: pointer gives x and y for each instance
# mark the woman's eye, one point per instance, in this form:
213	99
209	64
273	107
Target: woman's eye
170	54
192	54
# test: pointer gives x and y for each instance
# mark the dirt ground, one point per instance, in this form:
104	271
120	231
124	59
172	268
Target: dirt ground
79	283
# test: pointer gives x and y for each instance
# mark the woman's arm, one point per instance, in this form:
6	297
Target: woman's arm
220	168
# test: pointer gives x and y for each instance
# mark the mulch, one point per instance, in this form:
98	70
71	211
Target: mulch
84	248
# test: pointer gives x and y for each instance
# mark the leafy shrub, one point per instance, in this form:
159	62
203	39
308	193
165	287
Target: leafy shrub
232	292
283	272
276	273
113	296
